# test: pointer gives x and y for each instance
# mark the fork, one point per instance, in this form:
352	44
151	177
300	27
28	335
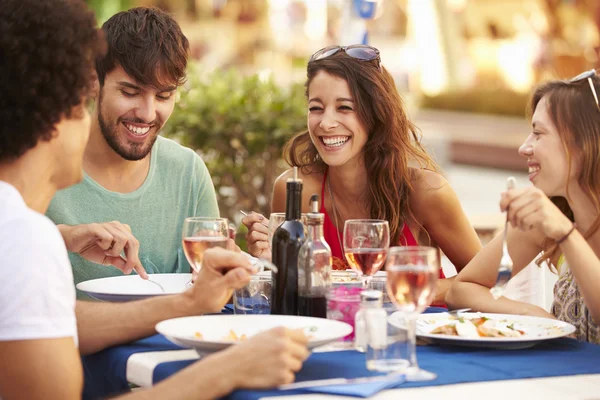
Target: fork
92	244
506	263
157	284
259	265
455	313
245	214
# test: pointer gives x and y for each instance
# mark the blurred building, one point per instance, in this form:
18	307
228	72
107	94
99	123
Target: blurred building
431	47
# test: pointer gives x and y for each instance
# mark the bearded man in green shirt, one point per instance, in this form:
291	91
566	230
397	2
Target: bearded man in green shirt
138	186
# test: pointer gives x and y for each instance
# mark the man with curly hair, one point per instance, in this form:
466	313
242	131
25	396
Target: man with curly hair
47	51
138	186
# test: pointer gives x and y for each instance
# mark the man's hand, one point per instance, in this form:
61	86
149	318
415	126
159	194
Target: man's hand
103	243
268	359
222	272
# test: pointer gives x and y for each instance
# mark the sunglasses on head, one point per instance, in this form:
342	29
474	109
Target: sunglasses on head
588	75
359	51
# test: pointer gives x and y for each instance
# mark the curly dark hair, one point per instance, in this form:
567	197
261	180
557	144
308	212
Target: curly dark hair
47	54
149	45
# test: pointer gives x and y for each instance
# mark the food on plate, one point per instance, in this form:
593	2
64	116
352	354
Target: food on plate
231	336
478	327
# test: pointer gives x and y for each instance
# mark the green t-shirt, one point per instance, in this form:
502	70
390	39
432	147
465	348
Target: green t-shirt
178	185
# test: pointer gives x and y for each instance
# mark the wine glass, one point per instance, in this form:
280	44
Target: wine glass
412	274
275	219
200	234
366	243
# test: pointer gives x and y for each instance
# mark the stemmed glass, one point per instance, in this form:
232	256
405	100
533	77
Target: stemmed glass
200	234
412	273
366	243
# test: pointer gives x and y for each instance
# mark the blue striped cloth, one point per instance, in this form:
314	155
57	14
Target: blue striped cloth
105	372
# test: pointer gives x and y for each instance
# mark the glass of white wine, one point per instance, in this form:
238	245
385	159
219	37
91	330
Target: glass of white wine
412	274
200	234
366	243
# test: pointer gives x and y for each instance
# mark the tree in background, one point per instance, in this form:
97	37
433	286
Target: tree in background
105	9
239	125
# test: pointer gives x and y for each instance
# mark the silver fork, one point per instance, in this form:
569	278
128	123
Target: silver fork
506	263
157	284
259	263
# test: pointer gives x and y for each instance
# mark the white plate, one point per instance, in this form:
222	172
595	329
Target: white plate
132	287
215	329
536	330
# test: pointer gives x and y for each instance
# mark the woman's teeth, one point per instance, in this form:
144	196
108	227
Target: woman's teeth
533	169
136	130
335	141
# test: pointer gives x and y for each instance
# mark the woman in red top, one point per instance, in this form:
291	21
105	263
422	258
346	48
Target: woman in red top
364	156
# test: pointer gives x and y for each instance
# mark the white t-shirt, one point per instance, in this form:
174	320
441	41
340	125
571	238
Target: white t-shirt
37	295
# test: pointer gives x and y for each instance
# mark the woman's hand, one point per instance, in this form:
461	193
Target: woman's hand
258	235
530	209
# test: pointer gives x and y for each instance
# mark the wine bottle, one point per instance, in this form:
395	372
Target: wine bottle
287	240
314	266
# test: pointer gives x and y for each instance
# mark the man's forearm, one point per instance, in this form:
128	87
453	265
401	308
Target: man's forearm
101	325
210	378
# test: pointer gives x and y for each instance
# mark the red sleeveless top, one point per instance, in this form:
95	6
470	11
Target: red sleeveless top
330	233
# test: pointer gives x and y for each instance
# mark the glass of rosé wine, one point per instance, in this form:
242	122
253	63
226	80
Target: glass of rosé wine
412	274
200	234
366	243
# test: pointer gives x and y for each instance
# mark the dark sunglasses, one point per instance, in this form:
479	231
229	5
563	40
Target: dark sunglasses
588	75
359	51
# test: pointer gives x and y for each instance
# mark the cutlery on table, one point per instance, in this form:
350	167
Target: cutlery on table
343	381
506	263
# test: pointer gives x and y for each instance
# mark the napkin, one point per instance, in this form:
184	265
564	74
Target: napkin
358	387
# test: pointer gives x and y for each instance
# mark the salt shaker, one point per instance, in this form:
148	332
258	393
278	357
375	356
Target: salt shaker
370	322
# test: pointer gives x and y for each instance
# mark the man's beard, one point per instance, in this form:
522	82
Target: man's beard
131	151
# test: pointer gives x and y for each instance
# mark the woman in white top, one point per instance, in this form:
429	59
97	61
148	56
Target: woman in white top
559	216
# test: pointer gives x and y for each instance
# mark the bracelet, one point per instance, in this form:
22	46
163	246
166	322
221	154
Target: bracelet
562	239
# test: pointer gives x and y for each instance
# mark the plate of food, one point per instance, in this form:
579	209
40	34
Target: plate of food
502	331
210	333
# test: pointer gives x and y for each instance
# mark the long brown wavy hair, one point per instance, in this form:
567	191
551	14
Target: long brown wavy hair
393	140
574	113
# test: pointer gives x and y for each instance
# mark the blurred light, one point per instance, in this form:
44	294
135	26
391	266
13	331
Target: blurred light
280	23
315	26
457	5
427	36
265	75
515	59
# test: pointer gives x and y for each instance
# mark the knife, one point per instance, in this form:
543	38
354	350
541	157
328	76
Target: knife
343	381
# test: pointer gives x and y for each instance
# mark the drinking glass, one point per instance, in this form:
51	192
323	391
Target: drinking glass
200	234
255	297
276	219
343	302
412	274
366	243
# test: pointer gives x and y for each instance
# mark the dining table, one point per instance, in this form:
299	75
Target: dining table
561	368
